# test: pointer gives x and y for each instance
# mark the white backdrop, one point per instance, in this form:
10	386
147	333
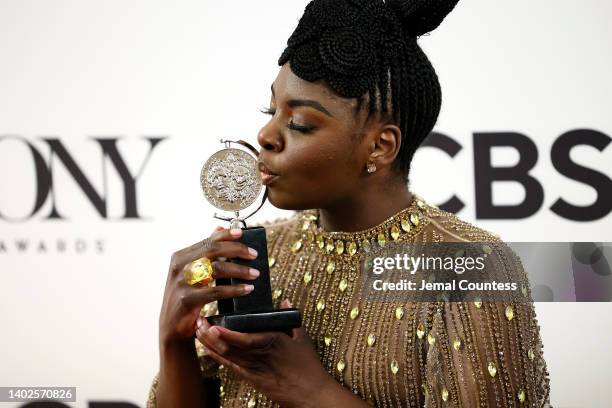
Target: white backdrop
195	71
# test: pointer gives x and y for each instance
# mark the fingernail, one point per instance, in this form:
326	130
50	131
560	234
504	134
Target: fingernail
253	252
253	273
221	347
199	322
248	288
236	232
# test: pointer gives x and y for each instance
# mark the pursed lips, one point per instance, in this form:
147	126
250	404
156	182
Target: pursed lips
267	176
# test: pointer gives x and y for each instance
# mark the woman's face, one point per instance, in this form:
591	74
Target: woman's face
312	144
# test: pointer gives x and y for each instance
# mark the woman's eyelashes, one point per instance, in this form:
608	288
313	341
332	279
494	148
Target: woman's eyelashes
268	111
301	128
291	125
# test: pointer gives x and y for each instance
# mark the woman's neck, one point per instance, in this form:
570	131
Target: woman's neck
364	210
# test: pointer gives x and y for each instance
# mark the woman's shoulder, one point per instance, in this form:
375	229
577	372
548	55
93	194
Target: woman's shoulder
446	226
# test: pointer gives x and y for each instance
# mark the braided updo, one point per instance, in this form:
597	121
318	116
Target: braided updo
369	48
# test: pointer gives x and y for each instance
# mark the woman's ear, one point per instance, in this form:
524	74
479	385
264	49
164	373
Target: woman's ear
385	143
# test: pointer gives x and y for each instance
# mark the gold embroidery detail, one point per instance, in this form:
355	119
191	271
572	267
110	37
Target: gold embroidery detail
420	332
277	293
307	277
394	367
297	245
339	247
444	394
509	313
341	365
395	232
492	368
343	285
521	396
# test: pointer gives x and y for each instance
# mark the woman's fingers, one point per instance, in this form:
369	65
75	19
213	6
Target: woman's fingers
227	249
202	323
199	296
182	302
242	372
202	327
248	340
233	270
209	337
218	245
215	249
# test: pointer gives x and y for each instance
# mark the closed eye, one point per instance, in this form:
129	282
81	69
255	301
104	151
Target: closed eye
291	125
301	128
268	111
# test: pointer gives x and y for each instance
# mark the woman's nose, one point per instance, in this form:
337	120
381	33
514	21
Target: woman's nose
270	137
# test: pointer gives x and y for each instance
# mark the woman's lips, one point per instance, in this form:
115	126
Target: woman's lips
267	179
267	176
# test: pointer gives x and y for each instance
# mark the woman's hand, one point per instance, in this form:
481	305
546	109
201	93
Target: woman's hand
286	368
182	302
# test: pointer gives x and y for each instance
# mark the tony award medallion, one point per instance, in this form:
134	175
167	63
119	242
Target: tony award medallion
231	182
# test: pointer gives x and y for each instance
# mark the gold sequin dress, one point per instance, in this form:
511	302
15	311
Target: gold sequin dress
396	354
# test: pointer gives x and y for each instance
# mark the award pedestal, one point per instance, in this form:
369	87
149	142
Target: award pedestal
254	312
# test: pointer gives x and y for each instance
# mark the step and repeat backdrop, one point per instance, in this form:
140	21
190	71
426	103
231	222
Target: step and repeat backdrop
109	109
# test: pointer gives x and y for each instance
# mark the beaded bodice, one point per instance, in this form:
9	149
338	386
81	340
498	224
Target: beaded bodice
397	353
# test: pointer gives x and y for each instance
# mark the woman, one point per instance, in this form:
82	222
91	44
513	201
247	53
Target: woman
354	98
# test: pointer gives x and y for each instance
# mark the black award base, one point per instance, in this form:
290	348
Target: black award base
276	320
254	312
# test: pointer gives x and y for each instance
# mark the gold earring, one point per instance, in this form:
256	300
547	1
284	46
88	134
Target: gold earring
371	167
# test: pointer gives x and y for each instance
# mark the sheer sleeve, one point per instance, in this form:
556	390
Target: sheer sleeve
486	354
152	398
209	367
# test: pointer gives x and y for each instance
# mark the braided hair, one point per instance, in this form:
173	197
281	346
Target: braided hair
368	49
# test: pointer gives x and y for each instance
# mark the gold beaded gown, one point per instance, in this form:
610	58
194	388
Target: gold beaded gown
396	354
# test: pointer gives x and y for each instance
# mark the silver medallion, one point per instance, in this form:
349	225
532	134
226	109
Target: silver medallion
230	179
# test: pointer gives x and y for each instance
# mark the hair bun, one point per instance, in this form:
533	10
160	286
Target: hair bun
421	16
